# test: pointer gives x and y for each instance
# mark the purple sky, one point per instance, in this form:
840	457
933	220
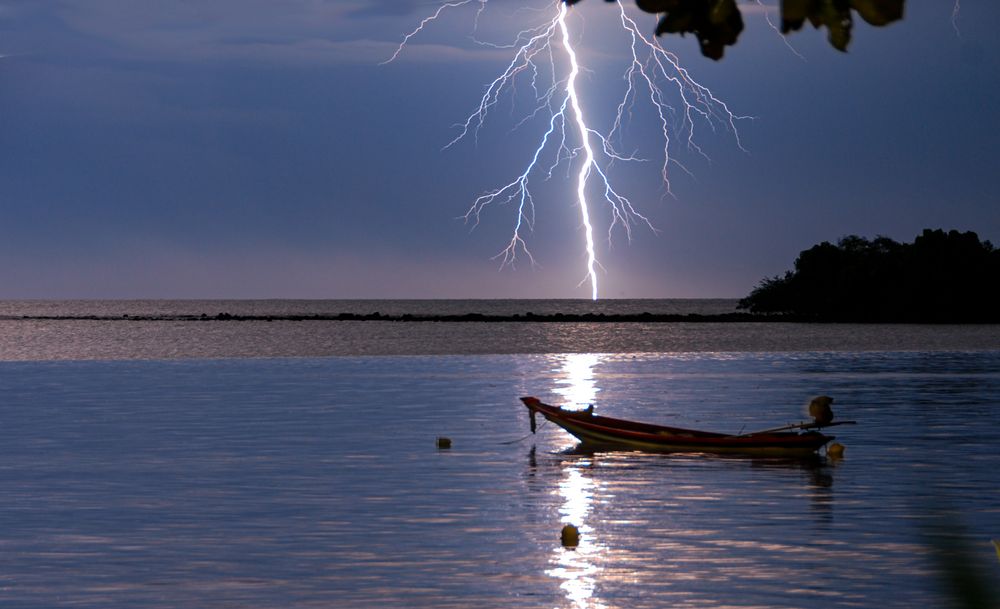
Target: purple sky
257	149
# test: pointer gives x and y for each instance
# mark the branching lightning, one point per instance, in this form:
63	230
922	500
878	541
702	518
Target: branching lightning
771	24
545	56
588	158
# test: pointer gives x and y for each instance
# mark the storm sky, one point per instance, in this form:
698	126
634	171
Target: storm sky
258	149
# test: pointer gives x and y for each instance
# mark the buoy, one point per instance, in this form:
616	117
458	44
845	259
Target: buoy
996	544
570	536
444	442
835	450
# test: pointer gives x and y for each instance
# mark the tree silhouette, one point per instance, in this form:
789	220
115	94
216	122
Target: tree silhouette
718	23
940	277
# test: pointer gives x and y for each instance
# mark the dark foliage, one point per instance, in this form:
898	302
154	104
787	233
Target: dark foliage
940	277
718	23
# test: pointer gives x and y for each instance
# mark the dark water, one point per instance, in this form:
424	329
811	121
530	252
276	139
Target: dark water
315	481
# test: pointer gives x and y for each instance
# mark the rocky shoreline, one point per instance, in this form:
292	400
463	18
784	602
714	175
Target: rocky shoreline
528	317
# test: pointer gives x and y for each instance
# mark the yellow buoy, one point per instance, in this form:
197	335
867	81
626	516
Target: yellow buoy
444	442
570	536
996	544
835	450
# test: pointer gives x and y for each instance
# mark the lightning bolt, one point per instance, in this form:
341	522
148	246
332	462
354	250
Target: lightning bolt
588	159
545	56
771	24
433	17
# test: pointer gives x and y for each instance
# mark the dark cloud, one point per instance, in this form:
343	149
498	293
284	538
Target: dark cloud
390	8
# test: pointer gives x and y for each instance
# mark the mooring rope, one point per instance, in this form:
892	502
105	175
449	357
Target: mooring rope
525	437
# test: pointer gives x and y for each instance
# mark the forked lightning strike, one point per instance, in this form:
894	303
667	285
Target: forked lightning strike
771	24
588	158
569	136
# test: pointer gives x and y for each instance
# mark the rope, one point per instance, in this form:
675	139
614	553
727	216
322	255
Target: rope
522	439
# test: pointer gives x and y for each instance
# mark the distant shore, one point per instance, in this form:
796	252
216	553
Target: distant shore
409	317
470	312
527	317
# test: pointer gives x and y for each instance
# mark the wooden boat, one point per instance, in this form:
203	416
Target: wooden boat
592	430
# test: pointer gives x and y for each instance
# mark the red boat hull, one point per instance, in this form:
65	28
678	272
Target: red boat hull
594	430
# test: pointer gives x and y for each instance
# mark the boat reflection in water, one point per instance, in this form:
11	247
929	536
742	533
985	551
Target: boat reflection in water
663	522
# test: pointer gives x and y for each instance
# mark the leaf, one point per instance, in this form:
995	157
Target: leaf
718	23
837	18
879	12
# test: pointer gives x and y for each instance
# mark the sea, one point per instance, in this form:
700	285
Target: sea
158	454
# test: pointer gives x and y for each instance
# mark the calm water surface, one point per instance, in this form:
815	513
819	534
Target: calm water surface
315	482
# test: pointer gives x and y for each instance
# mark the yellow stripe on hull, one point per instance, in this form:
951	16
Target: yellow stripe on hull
589	436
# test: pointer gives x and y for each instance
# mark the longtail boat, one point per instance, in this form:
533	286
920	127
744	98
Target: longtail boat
797	440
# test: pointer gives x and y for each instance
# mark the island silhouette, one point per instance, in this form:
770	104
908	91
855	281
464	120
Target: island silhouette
942	277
